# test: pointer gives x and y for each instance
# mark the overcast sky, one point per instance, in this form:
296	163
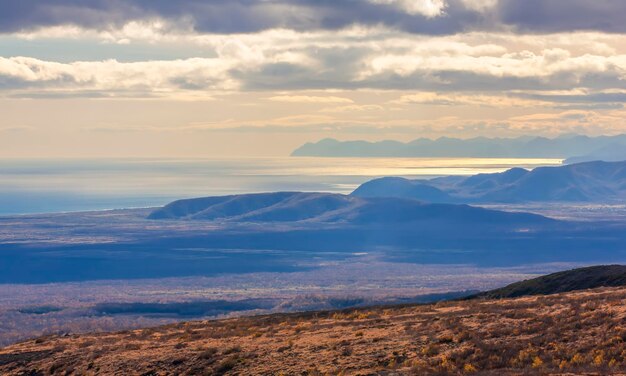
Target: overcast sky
192	78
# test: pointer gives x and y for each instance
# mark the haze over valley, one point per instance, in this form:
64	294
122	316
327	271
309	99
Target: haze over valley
301	251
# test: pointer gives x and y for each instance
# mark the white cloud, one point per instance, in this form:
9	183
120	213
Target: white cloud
446	99
112	77
428	8
309	99
353	108
479	5
355	58
519	64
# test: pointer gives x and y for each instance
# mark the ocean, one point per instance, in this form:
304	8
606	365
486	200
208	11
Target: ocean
64	185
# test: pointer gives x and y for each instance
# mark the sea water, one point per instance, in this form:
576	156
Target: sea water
62	185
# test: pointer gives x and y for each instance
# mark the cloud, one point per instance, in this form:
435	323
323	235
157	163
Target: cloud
589	106
578	96
309	99
572	115
543	123
571	99
440	99
485	64
116	78
232	16
16	129
545	63
480	5
540	16
353	108
428	8
569	121
434	17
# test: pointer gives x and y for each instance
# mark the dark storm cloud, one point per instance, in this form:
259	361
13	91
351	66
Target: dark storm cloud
564	15
231	16
227	16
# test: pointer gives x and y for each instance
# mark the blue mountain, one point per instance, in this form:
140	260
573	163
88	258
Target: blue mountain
614	152
333	208
564	146
584	182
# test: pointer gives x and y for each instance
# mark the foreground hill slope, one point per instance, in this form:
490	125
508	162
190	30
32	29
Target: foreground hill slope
333	208
569	280
571	333
582	182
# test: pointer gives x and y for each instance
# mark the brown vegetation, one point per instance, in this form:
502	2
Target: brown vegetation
572	333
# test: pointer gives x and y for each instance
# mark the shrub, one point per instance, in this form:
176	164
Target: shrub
469	368
234	349
226	365
208	353
430	350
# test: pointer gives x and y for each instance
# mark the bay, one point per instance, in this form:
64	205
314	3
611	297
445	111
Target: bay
65	185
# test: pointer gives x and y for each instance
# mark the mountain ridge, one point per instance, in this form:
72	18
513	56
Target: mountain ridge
561	147
583	182
331	208
613	152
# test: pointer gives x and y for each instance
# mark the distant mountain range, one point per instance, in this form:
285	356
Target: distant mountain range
566	146
611	153
569	280
583	182
333	208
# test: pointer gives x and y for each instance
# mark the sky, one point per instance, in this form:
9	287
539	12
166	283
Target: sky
192	78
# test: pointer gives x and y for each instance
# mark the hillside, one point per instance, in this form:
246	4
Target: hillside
479	147
573	333
582	182
332	208
565	281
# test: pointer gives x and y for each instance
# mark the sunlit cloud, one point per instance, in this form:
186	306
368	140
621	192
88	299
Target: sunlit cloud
116	78
442	99
480	5
354	108
428	8
353	59
309	99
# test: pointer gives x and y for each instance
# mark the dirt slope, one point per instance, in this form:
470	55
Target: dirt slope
572	333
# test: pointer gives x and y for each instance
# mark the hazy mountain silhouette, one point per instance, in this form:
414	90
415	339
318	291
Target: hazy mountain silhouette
332	208
583	182
526	146
614	152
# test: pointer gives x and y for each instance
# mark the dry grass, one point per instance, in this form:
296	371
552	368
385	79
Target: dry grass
573	333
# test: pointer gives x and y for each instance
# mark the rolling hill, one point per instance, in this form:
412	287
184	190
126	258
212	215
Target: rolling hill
565	281
332	208
572	333
583	182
